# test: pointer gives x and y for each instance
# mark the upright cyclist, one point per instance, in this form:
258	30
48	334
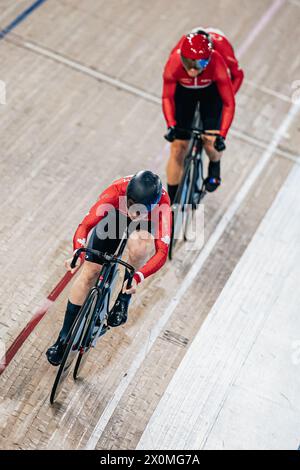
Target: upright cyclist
140	204
201	67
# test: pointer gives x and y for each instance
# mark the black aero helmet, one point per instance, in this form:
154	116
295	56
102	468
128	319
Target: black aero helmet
144	188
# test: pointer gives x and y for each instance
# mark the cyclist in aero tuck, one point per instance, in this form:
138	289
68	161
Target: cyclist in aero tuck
141	206
201	67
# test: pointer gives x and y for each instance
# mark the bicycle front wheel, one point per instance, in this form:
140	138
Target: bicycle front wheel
83	354
93	332
180	207
74	343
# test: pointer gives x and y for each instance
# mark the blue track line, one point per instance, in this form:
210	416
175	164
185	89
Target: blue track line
21	17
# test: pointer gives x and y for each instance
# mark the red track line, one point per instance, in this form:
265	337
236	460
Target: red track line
39	314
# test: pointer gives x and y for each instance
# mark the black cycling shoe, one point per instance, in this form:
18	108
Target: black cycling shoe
118	314
56	351
211	184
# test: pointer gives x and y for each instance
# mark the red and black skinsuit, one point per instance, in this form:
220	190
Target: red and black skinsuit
223	70
114	197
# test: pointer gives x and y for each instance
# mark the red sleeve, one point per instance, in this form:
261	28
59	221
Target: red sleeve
168	100
162	242
237	77
107	200
225	89
237	74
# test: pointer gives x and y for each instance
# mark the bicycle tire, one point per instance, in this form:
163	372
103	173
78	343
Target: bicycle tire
87	342
197	175
179	202
189	208
88	339
75	337
82	358
172	244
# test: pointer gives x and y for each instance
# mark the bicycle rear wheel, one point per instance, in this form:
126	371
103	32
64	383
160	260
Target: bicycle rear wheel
74	343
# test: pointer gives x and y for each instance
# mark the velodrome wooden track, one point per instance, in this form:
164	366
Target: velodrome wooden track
83	82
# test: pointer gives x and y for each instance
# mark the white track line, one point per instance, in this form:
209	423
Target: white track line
149	96
123	85
295	2
91	72
221	226
208	247
190	277
211	401
290	157
268	91
259	143
116	82
259	27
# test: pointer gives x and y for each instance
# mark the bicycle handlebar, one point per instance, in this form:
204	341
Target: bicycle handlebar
104	258
197	131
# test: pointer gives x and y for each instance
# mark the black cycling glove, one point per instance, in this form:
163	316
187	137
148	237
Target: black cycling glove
220	145
170	136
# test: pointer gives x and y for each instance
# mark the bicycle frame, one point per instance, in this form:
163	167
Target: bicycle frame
102	286
80	338
184	204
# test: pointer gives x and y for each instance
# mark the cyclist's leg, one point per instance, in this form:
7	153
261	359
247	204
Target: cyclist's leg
178	150
211	112
140	247
208	144
84	282
105	239
185	103
81	286
86	279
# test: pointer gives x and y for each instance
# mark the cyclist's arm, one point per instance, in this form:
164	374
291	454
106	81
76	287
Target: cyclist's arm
237	74
162	241
154	263
226	92
168	96
107	200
